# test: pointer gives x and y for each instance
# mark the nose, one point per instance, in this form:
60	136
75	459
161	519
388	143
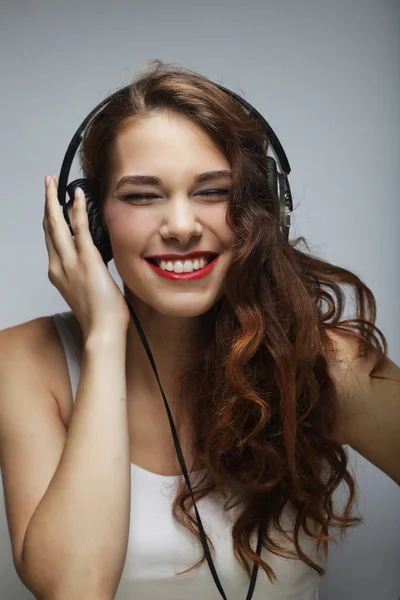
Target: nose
181	221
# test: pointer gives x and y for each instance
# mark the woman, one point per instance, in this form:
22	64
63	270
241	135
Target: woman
260	380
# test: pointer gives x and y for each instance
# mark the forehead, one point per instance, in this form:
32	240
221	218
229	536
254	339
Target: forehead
165	142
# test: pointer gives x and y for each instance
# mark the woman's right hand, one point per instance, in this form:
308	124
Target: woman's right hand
77	270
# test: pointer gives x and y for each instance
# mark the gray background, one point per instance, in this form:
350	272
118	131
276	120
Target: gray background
325	75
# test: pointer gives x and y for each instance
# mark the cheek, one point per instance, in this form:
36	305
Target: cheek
130	231
216	220
227	235
126	231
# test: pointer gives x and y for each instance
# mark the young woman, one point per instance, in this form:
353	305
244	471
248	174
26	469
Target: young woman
265	383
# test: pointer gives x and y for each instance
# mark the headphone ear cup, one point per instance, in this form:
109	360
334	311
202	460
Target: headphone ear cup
276	183
272	171
99	235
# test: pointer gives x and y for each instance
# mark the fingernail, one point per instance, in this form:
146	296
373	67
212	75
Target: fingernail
47	180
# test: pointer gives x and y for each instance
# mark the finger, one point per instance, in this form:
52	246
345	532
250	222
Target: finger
57	226
80	223
54	259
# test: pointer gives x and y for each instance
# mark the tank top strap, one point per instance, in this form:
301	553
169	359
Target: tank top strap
71	337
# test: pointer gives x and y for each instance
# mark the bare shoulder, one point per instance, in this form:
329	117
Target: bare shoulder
34	388
36	345
369	403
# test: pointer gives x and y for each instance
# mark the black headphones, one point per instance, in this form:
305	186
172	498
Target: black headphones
279	185
277	179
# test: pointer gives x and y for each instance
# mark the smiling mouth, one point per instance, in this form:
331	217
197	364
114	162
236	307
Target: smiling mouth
156	262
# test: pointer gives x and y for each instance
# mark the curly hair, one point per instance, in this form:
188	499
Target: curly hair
262	404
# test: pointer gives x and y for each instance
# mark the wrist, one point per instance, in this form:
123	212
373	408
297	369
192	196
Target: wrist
97	339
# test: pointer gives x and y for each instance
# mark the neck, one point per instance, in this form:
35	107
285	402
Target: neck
171	340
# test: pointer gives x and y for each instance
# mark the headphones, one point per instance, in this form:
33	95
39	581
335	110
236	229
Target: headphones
279	185
277	179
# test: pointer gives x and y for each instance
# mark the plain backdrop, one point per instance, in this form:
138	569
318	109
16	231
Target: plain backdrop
325	74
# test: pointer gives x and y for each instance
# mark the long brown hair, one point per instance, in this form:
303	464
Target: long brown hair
262	404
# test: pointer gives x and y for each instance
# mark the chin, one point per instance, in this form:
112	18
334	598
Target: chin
184	312
179	305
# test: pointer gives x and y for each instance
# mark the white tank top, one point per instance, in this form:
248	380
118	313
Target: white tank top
159	547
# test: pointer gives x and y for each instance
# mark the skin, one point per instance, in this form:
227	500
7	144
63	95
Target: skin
176	219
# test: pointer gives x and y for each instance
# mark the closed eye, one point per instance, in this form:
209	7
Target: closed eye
131	197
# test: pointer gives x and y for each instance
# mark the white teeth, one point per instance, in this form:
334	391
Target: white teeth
180	266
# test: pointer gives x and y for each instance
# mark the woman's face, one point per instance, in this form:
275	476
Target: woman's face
175	216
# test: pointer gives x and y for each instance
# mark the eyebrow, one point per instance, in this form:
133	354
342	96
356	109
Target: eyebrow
152	180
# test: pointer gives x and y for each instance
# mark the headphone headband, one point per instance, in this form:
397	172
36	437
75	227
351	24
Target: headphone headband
272	137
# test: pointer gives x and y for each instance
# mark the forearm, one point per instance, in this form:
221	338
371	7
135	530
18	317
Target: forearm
77	537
